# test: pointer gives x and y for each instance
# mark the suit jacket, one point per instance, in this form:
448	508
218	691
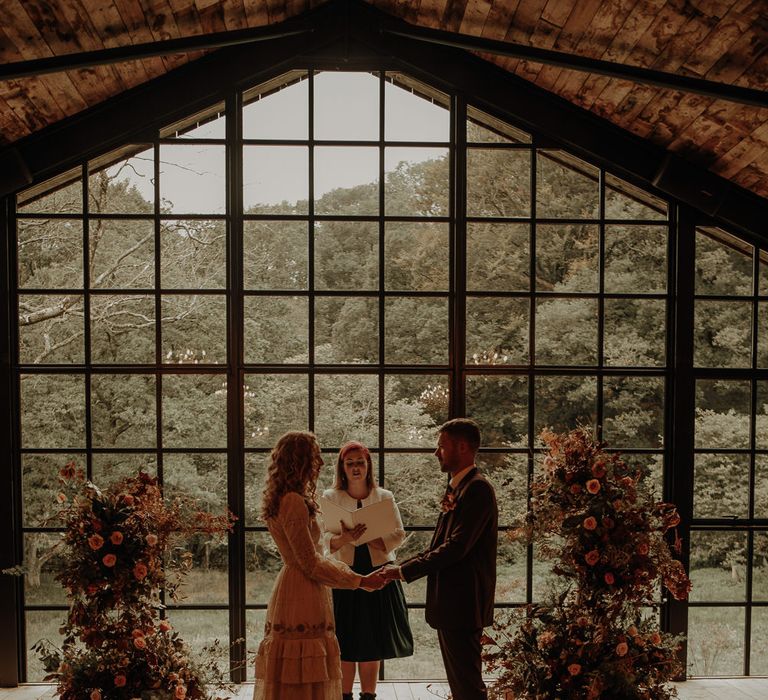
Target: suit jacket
460	564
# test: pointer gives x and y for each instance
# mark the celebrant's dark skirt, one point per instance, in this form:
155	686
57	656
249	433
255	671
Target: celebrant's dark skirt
371	626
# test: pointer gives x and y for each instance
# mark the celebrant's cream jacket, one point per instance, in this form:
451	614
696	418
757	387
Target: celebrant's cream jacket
391	541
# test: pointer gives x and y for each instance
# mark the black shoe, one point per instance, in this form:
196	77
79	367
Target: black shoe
367	696
346	696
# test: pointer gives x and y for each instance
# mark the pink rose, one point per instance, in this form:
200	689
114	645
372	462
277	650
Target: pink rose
589	523
575	489
109	560
181	692
140	571
165	626
127	499
95	542
593	486
598	470
622	649
95	695
592	557
61	497
137	633
642	548
151	540
116	537
120	680
574	669
609	578
140	642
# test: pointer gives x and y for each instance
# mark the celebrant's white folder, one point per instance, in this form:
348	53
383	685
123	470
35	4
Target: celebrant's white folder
379	518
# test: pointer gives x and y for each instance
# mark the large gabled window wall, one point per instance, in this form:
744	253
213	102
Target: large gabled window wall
364	256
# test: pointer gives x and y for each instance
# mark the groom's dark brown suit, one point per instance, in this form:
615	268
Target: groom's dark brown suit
460	566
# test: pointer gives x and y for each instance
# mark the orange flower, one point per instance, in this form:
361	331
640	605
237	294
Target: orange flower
589	523
137	633
120	680
140	571
95	542
151	539
598	470
109	560
574	669
627	482
592	557
643	548
165	626
95	695
127	499
140	642
656	638
116	537
181	692
609	578
632	631
593	486
582	621
608	523
61	497
622	649
68	471
575	489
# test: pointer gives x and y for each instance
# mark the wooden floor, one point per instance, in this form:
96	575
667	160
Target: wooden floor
709	689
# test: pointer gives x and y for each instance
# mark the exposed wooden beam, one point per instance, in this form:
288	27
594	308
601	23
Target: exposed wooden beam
636	74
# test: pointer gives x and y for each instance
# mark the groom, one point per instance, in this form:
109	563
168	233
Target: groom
460	563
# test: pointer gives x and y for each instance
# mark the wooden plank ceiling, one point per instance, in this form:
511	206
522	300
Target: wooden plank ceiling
721	40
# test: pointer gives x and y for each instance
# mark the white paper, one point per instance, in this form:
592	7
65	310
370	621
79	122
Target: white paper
379	518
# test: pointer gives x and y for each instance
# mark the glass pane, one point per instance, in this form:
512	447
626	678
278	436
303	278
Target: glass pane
416	256
62	195
497	331
195	410
346	106
192	179
633	411
483	128
194	329
413	115
759	659
110	467
122	254
41	624
509	475
275	255
282	114
761	486
415	543
762	334
201	628
122	329
200	476
416	181
262	564
275	179
625	201
193	254
498	257
347	255
716	482
256	466
52	410
209	123
562	403
761	417
124	187
347	180
723	264
50	329
50	253
567	257
346	408
43	557
566	332
276	329
40	485
511	568
717	567
254	625
418	485
722	414
414	407
760	570
498	182
653	466
716	641
635	332
723	334
346	329
500	407
206	580
123	410
416	330
636	259
274	404
426	661
566	187
545	580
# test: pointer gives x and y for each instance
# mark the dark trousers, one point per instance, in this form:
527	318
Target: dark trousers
461	651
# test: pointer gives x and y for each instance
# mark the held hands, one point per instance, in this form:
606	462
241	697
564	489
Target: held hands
374	581
391	572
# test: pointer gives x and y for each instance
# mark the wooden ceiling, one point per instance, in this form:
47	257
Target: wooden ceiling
721	40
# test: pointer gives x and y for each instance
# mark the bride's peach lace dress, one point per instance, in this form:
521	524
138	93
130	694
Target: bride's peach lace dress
298	659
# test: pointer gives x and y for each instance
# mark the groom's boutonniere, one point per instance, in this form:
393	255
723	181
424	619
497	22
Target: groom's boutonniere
448	502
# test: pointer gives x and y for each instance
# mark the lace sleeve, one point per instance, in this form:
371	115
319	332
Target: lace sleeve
294	519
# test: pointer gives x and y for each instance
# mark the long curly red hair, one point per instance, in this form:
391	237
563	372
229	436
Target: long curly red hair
294	466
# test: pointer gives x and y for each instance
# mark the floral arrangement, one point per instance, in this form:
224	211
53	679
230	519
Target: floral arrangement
115	645
596	520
